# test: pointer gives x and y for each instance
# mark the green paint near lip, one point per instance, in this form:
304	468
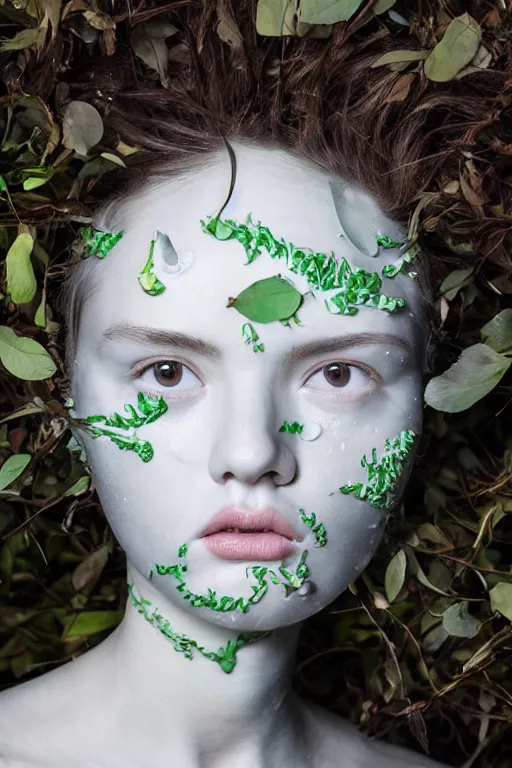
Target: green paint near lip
225	656
293	428
358	287
317	528
227	603
147	278
98	243
150	409
383	475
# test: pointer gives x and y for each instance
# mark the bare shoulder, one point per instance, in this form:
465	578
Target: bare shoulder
42	719
337	742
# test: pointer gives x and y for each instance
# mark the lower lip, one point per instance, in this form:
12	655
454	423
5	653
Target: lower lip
248	546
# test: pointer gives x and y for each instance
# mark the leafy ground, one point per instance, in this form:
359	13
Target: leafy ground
418	651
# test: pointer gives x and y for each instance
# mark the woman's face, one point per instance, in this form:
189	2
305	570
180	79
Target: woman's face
219	442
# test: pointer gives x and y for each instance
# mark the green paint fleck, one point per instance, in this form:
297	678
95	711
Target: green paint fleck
318	529
251	337
383	475
324	272
98	243
392	270
225	657
294	428
384	241
150	409
147	278
227	603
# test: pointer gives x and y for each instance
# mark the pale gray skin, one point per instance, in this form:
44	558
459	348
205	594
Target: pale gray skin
132	700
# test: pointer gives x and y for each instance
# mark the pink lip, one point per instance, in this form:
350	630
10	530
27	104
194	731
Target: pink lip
249	541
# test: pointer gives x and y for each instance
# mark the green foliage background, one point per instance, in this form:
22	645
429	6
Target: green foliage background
418	651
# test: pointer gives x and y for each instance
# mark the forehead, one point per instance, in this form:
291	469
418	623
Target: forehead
292	198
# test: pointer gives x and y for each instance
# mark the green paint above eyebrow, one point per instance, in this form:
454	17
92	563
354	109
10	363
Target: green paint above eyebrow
227	603
147	278
150	409
251	337
225	657
384	241
293	428
383	475
317	528
358	287
392	270
98	243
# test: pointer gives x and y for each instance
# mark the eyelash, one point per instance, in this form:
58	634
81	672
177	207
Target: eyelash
140	369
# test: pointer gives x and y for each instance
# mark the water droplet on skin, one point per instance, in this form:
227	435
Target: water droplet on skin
387	352
342	446
311	432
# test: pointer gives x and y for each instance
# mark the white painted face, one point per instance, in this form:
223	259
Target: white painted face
219	442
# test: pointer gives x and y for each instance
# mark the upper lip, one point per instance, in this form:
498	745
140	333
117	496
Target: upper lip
247	519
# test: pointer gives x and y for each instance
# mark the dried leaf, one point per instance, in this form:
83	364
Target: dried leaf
276	18
456	49
24	357
401	88
393	57
327	11
82	127
381	6
497	333
501	599
458	622
21	281
148	43
13	468
477	371
395	575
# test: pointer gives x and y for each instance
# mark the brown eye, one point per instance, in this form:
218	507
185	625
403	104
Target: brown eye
168	373
337	374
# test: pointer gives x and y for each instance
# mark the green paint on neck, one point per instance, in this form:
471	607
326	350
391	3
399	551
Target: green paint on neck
150	409
98	243
383	475
357	286
294	428
225	656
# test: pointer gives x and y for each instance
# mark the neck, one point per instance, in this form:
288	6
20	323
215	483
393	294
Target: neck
249	711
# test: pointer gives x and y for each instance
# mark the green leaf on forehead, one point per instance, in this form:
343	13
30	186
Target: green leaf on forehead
476	372
21	281
267	300
497	333
24	357
458	46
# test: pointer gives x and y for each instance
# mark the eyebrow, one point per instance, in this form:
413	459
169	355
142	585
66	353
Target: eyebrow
145	335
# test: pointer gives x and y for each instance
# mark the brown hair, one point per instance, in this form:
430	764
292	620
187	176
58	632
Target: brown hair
321	100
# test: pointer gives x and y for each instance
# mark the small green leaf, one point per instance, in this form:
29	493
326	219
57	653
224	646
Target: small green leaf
36	181
458	46
91	622
113	159
276	18
24	39
381	6
80	486
267	300
327	11
497	333
12	469
21	281
400	56
458	622
476	372
24	357
395	575
501	599
82	127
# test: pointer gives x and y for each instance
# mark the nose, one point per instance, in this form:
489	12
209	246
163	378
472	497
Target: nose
249	445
